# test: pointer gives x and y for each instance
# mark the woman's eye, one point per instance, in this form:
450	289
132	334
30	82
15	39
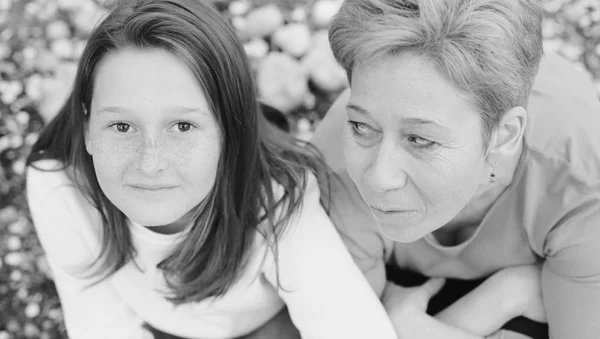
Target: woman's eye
362	130
421	142
122	127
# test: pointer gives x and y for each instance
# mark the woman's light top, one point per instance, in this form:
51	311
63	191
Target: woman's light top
550	212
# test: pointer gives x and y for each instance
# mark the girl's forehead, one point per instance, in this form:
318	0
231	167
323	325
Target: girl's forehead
131	80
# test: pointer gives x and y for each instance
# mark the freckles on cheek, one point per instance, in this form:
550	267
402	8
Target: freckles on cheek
110	158
195	156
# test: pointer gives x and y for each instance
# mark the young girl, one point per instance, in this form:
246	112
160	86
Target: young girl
161	196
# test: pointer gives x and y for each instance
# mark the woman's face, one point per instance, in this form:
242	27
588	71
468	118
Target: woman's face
413	145
154	141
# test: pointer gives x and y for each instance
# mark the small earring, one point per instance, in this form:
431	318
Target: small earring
493	174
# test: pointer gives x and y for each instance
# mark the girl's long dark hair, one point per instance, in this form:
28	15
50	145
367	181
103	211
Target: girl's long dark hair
254	155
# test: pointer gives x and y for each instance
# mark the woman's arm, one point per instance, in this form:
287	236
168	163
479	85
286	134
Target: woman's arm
511	292
60	214
571	274
326	294
406	307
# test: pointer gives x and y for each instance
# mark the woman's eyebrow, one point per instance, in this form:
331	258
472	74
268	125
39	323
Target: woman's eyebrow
421	122
357	109
408	121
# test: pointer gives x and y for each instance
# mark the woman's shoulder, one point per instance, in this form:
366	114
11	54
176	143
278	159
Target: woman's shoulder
554	200
563	117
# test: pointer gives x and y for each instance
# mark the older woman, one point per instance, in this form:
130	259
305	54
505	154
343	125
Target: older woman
453	166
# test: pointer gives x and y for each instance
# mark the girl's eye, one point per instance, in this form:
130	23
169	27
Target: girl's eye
122	127
421	142
362	130
183	126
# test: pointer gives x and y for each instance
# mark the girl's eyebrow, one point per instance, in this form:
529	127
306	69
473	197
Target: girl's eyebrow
178	110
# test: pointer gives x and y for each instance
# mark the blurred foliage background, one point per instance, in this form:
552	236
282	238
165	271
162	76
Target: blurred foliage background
286	41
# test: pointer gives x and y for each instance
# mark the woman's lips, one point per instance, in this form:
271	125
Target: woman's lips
393	215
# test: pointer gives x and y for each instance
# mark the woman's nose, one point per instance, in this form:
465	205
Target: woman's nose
151	157
387	171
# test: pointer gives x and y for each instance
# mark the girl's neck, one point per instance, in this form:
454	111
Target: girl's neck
178	226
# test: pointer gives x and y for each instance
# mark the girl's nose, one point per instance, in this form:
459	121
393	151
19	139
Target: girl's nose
151	158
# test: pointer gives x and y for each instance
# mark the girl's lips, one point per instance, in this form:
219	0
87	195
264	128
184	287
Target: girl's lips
151	187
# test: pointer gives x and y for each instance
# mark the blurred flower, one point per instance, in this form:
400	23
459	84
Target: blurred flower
8	214
62	48
29	54
256	49
263	21
10	90
18	166
16	275
31	331
321	66
46	60
324	10
87	15
19	227
69	4
32	310
13	243
13	258
293	39
239	23
47	10
238	8
34	90
13	326
22	293
5	5
58	29
298	14
281	82
571	51
5	50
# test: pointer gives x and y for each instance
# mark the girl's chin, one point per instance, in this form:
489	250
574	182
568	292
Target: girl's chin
154	221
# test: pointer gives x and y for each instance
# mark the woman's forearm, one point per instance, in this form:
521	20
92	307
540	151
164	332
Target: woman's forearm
485	309
412	324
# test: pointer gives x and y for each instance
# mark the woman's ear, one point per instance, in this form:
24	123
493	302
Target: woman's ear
507	137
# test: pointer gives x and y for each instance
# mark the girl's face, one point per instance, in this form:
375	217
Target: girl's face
413	146
154	141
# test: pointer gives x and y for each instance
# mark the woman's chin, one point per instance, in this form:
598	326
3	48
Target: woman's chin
402	233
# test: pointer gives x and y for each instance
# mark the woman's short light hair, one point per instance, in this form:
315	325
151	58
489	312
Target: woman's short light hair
489	49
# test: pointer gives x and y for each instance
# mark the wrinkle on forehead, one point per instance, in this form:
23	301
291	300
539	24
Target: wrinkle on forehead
406	86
